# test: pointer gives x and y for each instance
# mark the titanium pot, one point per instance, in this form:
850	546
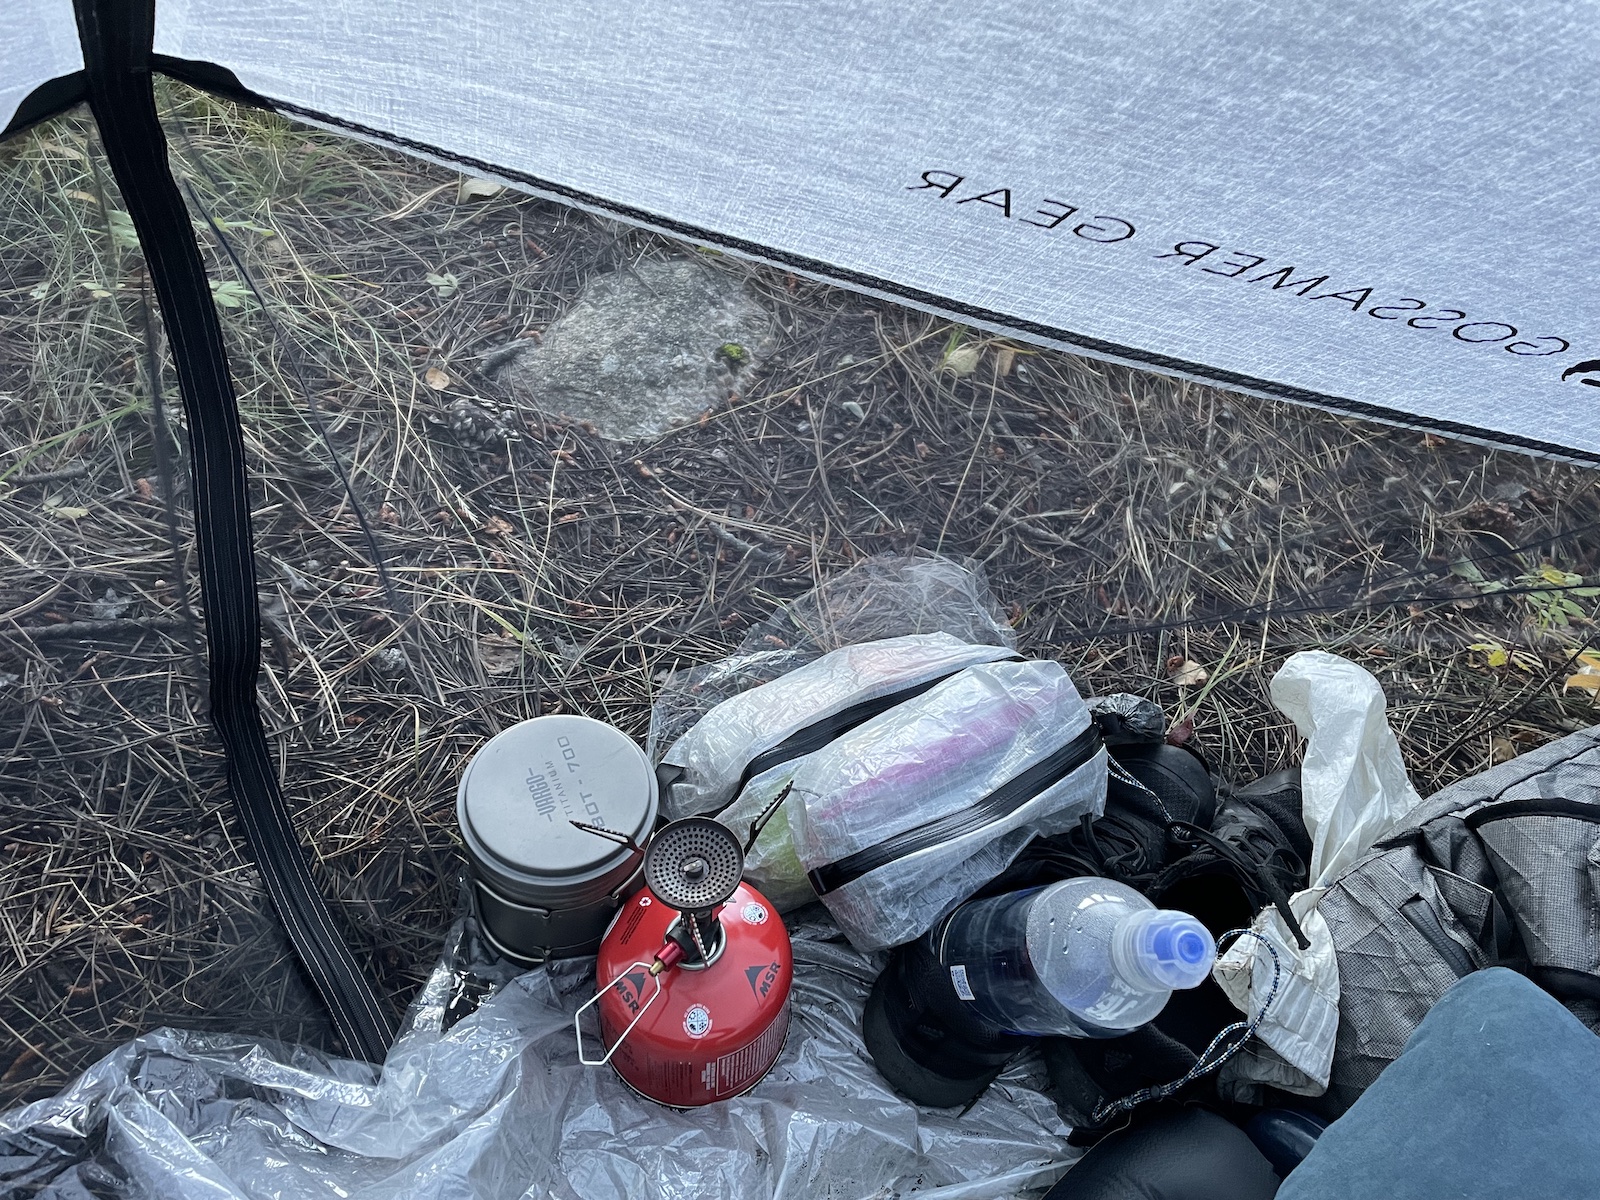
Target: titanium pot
544	888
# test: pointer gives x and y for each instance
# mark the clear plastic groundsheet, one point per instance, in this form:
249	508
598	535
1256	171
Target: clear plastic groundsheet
498	1106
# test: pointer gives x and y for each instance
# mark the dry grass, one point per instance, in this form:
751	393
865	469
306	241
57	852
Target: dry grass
1131	520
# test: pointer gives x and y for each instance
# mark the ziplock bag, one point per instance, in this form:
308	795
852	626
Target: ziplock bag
911	812
737	759
751	733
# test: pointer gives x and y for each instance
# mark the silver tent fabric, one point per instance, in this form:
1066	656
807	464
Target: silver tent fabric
1398	197
40	43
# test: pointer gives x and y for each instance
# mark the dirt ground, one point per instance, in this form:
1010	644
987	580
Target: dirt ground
1154	535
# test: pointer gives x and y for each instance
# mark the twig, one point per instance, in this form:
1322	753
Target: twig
107	628
71	471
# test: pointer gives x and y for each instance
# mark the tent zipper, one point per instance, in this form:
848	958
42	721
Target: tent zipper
998	804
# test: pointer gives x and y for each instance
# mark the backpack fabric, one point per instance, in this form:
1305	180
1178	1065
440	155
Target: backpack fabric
1500	869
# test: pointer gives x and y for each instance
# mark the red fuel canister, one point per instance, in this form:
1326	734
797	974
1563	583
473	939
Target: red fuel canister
699	968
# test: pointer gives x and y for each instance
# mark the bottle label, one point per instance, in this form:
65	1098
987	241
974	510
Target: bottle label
958	980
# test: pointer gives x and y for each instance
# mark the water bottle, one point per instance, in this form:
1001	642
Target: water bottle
1082	958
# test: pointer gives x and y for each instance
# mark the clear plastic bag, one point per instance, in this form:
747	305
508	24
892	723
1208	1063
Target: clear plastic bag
919	606
495	1106
715	756
884	596
942	753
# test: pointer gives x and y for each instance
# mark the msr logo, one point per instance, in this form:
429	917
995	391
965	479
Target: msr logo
1587	372
762	978
636	980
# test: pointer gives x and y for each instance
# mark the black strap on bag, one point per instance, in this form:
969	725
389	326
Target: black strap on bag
117	37
996	805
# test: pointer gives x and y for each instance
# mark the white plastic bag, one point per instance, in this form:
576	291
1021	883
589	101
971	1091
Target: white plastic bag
1354	790
1354	786
1004	751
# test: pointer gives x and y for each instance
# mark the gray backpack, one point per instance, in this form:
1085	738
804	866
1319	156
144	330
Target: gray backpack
1500	869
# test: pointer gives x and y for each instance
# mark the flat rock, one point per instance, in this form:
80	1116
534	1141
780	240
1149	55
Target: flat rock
643	349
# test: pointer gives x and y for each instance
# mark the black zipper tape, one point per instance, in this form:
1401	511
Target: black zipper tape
1507	809
998	804
818	734
116	37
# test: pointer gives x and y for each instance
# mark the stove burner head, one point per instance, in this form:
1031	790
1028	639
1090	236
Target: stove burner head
693	865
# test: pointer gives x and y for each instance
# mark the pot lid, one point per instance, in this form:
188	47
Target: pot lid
524	788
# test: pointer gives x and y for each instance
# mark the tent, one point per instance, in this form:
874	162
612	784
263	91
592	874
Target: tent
1376	211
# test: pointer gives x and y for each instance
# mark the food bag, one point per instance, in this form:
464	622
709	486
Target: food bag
909	813
756	731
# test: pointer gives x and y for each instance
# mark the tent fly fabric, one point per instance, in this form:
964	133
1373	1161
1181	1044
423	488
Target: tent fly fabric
1211	336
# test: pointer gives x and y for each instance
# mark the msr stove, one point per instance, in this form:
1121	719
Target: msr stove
699	965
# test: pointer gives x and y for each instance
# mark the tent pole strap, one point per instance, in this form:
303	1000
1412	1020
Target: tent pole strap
117	36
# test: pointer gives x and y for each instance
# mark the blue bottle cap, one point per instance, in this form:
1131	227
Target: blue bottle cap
1174	949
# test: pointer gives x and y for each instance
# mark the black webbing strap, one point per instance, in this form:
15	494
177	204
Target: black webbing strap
116	36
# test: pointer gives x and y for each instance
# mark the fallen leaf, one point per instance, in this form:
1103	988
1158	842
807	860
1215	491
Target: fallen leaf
1587	681
961	360
1559	577
1003	359
122	232
67	512
500	655
470	188
1494	655
1188	673
436	379
445	285
855	410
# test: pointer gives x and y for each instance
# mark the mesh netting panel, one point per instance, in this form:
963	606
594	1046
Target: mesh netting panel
585	456
126	898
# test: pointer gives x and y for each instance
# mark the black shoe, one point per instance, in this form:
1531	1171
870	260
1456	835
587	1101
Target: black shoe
1254	854
1187	1152
1151	786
